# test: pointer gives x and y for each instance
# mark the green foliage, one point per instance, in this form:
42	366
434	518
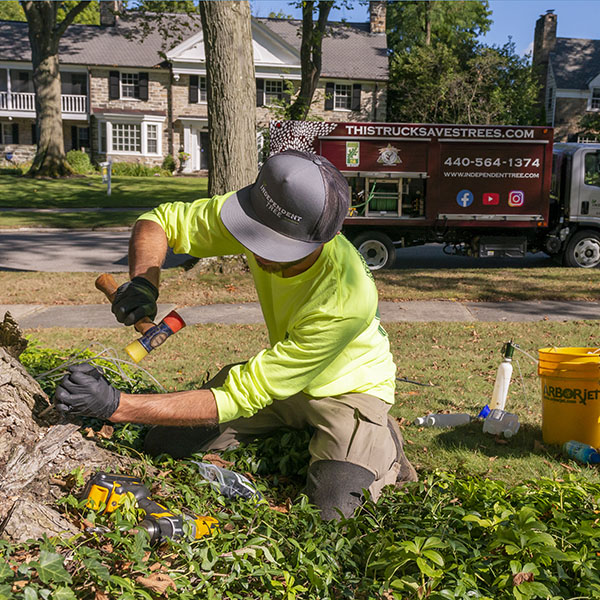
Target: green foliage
80	162
439	73
169	164
590	125
445	538
129	169
430	85
11	10
455	25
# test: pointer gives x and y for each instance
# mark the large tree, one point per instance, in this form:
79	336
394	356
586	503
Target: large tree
46	28
440	72
311	55
231	94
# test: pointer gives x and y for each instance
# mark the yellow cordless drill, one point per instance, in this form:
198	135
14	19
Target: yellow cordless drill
159	521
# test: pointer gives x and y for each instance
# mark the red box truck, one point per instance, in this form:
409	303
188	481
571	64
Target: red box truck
481	190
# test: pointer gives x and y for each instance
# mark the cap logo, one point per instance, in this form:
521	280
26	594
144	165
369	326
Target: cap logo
277	210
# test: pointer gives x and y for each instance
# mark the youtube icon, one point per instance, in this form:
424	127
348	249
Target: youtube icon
490	198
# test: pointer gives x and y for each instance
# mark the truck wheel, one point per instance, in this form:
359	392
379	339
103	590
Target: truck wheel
583	250
377	249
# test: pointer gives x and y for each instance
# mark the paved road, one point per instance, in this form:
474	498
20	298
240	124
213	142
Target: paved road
106	250
67	250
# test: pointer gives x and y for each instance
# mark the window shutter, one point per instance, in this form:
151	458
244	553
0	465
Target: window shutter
356	96
260	92
193	95
34	133
74	142
143	79
15	133
329	91
113	87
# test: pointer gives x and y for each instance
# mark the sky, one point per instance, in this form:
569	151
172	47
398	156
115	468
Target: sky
511	18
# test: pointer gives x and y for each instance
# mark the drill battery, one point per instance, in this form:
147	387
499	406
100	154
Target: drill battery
105	489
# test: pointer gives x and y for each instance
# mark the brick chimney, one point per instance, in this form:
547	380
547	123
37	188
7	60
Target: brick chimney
544	40
377	12
109	12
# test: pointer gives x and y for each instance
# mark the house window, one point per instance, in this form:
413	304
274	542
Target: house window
126	137
595	103
130	85
7	133
342	96
273	91
21	82
152	138
202	89
140	137
73	83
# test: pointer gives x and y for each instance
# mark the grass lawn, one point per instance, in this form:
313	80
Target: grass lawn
459	359
89	192
68	220
194	287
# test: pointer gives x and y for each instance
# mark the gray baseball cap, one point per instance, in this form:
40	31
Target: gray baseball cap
298	202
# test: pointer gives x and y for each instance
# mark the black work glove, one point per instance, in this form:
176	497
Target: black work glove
84	392
134	300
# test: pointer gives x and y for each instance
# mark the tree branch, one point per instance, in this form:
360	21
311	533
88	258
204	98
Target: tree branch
70	16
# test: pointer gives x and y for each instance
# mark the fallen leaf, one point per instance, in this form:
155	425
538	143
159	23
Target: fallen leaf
106	432
229	527
215	459
19	585
89	432
157	582
100	595
568	467
519	578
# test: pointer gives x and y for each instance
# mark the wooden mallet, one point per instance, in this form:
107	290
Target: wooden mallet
153	335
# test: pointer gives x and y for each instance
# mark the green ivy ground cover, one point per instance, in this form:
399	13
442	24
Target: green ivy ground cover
452	535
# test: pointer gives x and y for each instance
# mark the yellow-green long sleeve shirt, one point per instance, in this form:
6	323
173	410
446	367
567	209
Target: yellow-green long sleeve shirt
324	328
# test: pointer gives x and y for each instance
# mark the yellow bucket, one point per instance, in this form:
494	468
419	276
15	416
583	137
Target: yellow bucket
570	379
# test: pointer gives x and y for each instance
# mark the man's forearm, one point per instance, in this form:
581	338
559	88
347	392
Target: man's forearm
177	409
147	251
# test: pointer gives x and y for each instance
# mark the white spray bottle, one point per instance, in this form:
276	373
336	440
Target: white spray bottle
503	376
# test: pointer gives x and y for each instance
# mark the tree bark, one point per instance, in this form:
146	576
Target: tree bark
34	448
311	57
44	37
231	95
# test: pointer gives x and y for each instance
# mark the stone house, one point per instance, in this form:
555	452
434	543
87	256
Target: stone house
131	101
569	74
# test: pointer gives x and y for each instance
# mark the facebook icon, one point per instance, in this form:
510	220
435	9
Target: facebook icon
464	198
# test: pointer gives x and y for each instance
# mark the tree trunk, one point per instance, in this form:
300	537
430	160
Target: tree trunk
311	55
34	448
44	37
231	95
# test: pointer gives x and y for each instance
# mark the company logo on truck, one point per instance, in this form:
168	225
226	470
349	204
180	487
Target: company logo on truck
464	198
516	198
389	156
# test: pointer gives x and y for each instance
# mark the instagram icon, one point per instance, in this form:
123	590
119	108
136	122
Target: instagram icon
516	198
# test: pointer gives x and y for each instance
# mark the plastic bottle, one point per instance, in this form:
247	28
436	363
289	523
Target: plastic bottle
581	452
447	420
421	420
500	422
503	376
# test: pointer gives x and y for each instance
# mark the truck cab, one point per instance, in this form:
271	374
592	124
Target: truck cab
575	189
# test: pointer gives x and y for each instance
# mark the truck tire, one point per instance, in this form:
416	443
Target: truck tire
583	250
377	249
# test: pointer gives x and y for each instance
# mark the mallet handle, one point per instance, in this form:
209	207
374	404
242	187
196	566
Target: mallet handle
108	286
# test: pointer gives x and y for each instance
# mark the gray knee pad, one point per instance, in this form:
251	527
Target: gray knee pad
179	442
334	484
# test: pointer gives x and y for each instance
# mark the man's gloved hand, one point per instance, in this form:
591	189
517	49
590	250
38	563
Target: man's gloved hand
84	392
134	300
